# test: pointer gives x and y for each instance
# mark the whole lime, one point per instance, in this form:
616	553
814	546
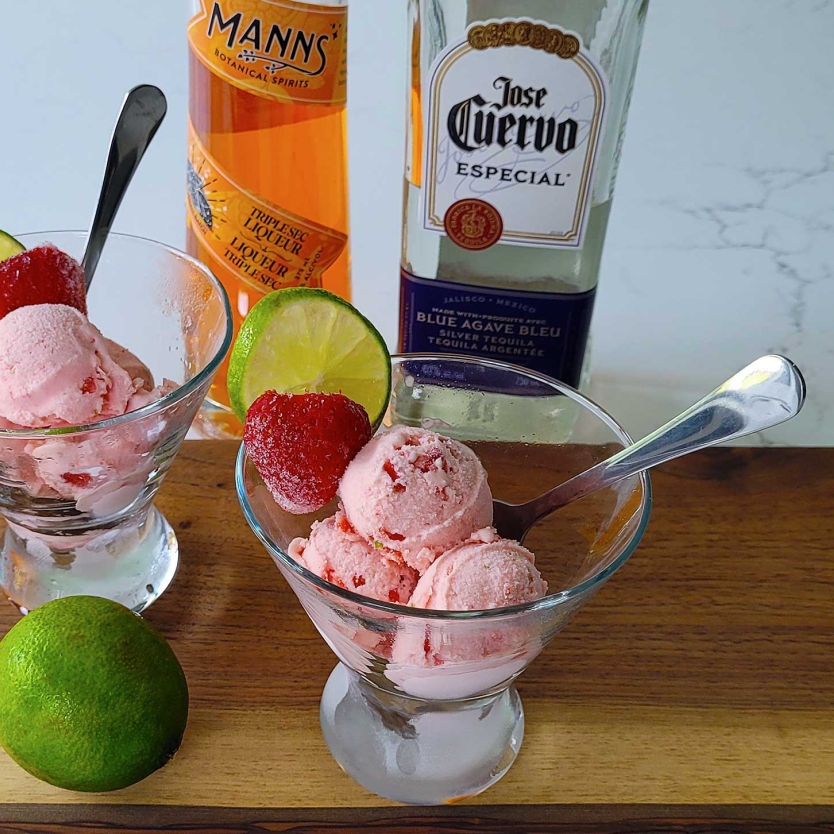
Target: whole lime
91	697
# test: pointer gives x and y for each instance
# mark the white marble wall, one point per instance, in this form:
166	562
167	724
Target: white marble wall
721	244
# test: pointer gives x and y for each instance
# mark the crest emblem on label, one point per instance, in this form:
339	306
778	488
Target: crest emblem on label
514	118
473	224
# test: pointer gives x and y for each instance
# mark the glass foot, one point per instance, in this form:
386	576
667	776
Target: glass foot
419	752
131	564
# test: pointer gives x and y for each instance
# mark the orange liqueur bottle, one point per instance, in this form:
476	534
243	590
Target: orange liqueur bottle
267	200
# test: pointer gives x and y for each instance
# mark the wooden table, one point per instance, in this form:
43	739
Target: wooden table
694	693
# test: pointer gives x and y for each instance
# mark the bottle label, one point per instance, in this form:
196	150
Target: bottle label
266	246
295	52
514	117
546	332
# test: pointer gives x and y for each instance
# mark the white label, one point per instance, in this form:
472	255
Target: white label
514	118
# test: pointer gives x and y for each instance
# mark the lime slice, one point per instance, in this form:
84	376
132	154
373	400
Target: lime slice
301	340
9	246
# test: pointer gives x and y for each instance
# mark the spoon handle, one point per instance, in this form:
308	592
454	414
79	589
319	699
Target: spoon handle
142	113
764	394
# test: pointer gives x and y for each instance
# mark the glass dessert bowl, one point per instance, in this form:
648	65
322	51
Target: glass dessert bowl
78	500
421	707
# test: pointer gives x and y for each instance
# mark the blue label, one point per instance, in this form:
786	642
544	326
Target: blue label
546	332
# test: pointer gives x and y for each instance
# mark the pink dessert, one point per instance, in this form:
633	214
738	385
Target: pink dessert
415	527
415	524
136	369
484	572
416	494
56	371
337	553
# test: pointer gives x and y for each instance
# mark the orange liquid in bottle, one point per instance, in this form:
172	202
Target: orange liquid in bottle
289	154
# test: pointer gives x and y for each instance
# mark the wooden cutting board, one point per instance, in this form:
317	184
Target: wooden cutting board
694	693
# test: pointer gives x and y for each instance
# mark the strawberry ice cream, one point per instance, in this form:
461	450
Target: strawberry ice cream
428	660
136	369
56	370
484	572
100	471
335	552
414	524
414	527
416	494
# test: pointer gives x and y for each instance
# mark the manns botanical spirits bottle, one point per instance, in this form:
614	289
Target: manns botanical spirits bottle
267	202
518	109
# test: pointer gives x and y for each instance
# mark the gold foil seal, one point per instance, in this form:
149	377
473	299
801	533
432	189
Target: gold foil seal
524	33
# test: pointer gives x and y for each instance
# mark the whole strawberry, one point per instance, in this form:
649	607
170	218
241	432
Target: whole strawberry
43	275
301	445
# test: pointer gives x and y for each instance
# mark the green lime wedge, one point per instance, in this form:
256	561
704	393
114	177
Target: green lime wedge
301	340
9	246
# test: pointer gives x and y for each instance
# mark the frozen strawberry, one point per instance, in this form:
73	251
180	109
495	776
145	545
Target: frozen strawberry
301	445
43	275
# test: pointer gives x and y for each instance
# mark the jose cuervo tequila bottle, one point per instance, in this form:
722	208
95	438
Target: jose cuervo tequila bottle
517	115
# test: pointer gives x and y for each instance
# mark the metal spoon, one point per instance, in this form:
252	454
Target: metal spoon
762	395
142	113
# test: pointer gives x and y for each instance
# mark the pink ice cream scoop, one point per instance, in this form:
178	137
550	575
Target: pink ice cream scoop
56	369
430	659
145	392
337	553
416	494
136	369
485	572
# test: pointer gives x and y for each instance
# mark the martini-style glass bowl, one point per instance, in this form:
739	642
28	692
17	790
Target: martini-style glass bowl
78	500
421	708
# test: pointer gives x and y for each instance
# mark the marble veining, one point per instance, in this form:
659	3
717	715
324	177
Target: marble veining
721	245
797	242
